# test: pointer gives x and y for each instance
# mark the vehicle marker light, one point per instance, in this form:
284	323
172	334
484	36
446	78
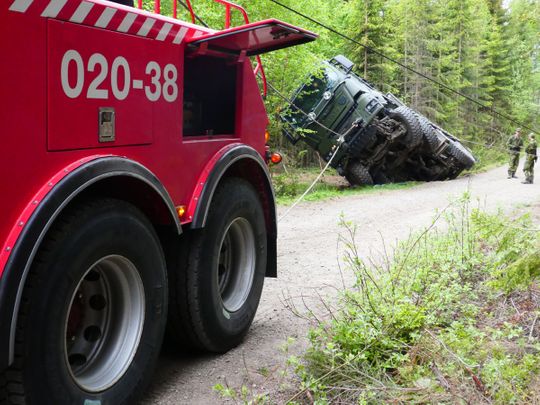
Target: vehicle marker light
266	136
181	210
276	158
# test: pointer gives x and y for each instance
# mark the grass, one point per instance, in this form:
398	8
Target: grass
451	315
289	187
488	158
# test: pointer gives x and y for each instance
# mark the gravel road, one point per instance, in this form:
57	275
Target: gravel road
308	268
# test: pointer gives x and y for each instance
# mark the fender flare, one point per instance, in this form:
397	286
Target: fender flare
216	170
55	195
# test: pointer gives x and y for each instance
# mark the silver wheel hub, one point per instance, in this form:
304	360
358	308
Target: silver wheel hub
104	323
236	264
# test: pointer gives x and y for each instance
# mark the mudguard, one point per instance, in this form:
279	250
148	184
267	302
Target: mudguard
242	161
40	214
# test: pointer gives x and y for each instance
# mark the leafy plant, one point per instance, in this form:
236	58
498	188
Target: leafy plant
438	321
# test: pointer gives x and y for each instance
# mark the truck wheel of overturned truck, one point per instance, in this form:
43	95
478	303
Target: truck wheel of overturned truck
464	158
430	140
358	175
380	178
217	284
406	116
93	311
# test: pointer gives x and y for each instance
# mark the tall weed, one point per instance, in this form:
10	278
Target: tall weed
438	321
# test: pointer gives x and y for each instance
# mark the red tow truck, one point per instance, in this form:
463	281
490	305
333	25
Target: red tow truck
135	193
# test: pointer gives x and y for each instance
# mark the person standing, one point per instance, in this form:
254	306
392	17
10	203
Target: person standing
514	145
530	158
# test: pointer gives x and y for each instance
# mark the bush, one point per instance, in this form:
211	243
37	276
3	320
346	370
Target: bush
438	321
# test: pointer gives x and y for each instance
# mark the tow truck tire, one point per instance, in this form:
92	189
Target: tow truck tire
358	175
215	292
407	117
93	310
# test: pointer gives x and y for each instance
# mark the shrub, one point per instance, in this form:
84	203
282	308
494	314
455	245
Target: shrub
438	321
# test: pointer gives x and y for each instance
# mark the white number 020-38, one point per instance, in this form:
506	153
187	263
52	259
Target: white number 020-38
162	83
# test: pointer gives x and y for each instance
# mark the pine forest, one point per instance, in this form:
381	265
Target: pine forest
483	57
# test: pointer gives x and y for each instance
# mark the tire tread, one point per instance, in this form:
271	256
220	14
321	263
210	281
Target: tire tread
186	326
358	175
12	390
413	138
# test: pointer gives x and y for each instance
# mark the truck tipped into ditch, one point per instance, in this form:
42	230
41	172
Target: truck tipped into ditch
370	137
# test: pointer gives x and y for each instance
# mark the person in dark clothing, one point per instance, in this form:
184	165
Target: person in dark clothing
530	158
514	145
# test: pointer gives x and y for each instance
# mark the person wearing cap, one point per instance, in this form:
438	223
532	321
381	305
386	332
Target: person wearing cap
530	158
514	145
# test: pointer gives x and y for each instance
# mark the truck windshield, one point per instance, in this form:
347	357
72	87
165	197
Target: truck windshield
312	92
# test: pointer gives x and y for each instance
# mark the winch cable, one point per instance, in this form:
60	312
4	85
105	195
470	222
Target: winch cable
341	139
377	52
299	199
340	142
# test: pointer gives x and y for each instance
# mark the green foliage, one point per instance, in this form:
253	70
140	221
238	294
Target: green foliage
484	50
436	321
289	186
516	258
242	396
286	185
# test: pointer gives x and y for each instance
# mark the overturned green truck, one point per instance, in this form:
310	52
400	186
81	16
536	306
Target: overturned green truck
369	137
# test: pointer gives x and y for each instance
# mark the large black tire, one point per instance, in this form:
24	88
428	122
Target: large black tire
407	117
217	284
93	311
379	177
358	175
430	139
464	158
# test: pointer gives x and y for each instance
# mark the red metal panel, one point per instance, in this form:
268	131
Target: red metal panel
199	186
253	39
88	70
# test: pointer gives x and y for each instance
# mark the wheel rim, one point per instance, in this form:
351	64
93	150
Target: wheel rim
104	323
236	264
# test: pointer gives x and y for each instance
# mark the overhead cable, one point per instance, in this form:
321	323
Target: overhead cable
375	51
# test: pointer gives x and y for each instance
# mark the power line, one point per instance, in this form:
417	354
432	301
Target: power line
286	99
196	16
403	65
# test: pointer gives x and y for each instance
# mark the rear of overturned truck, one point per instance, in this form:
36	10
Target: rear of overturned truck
136	196
371	137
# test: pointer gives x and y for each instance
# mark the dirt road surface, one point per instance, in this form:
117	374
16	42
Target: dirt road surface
308	268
